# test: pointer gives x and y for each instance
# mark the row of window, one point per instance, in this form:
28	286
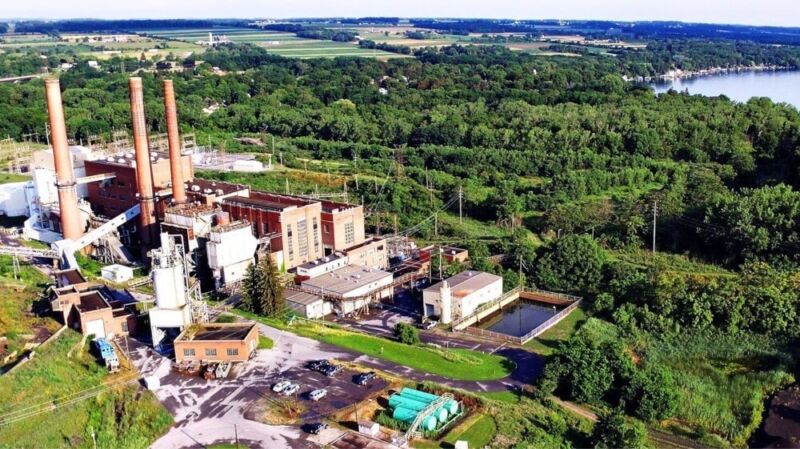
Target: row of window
210	352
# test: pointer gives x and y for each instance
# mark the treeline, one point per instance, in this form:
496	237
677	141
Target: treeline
372	45
76	26
3	27
307	32
664	55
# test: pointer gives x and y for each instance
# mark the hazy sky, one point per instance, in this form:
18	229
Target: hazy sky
761	12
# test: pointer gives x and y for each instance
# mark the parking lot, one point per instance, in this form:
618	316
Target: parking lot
342	390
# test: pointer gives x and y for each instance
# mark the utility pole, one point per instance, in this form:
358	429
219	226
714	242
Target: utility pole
287	186
655	215
395	227
236	435
436	224
460	201
520	270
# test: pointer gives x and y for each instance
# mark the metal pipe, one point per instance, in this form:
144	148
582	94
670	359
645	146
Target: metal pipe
174	138
144	171
65	178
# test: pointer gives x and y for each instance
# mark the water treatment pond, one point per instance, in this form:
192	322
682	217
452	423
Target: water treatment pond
520	318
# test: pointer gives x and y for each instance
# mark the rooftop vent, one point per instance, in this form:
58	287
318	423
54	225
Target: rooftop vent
195	188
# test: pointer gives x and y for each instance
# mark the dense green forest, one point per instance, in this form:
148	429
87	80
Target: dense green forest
562	163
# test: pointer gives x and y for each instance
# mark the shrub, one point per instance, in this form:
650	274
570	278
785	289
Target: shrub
406	333
612	432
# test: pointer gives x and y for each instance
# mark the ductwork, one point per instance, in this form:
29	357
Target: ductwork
65	177
144	172
174	138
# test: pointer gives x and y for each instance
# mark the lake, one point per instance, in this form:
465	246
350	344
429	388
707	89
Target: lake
780	86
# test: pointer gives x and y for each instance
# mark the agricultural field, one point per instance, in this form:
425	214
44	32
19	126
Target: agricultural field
278	43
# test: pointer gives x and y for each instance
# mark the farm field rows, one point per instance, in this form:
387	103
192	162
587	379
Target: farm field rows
279	43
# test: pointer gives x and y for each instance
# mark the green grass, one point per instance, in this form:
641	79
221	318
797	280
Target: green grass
722	381
89	267
265	342
507	396
547	342
6	178
478	431
458	364
123	417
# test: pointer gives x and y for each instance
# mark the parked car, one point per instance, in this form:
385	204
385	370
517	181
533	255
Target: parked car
291	389
316	395
316	365
331	370
315	428
281	386
365	378
430	324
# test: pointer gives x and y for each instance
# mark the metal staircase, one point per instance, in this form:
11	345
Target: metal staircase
412	431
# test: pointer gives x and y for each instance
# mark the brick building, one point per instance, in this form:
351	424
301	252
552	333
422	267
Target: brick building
218	342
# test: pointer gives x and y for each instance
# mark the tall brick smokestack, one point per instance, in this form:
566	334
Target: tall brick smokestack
144	172
174	137
65	177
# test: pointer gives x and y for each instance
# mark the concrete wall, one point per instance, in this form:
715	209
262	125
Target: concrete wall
293	238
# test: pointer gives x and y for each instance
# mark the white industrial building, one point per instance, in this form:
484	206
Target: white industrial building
230	251
117	273
352	287
460	295
307	305
172	312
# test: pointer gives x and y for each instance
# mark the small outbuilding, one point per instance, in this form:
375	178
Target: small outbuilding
369	428
306	305
117	273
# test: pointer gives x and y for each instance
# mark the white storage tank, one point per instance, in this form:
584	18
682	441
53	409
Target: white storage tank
169	281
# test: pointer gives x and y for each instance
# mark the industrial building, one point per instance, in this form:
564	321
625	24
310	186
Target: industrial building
351	288
307	305
218	342
94	310
459	295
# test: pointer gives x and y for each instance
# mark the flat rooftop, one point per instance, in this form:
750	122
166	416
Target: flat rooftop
346	279
257	204
204	185
466	282
322	260
299	297
91	301
69	277
216	332
128	158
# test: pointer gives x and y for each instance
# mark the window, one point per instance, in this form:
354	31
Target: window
233	351
266	228
302	238
211	352
326	229
349	233
188	352
124	326
316	236
289	245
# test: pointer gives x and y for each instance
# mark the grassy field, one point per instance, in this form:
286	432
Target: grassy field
122	416
18	295
478	431
722	382
278	43
546	343
459	364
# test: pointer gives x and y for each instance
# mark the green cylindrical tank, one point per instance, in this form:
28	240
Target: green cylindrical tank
451	406
441	414
429	423
408	416
419	395
404	414
409	403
